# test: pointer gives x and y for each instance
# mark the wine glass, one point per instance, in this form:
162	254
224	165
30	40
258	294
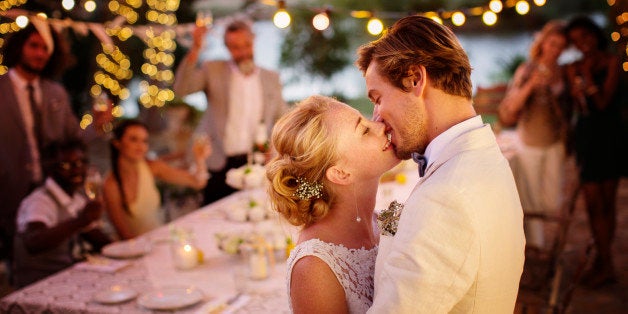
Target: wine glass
93	182
204	18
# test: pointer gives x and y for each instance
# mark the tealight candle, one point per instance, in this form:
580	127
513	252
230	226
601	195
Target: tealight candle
258	264
185	256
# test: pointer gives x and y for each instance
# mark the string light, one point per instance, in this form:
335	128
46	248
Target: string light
458	18
281	18
495	6
489	18
522	7
375	26
90	6
68	4
21	21
539	3
320	21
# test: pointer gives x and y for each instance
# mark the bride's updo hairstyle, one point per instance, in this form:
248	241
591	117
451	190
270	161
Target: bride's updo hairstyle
305	150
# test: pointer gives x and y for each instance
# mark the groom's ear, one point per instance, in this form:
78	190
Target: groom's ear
417	79
338	176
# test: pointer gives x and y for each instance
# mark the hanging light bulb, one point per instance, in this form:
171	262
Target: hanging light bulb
321	21
489	18
68	4
375	26
522	7
458	18
21	21
496	6
90	5
281	19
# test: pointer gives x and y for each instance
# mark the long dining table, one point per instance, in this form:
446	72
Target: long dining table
220	283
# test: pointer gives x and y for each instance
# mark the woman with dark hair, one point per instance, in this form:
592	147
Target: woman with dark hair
594	80
131	197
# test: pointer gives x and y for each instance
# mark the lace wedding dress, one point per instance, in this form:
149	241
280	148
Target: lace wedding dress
354	269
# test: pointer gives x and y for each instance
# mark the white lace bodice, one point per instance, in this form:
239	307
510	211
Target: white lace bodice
354	269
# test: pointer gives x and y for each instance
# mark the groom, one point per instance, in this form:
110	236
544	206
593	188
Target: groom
460	243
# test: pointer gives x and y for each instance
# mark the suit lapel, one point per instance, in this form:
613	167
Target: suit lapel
10	102
480	138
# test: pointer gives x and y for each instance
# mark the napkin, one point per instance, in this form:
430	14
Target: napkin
224	305
102	264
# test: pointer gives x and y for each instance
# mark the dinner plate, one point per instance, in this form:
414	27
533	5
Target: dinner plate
115	294
170	298
126	249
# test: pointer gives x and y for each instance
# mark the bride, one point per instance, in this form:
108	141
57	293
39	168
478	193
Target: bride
324	178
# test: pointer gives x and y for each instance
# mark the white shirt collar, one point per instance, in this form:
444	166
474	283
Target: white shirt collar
438	144
21	82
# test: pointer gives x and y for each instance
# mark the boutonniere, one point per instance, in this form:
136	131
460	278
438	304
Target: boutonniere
388	219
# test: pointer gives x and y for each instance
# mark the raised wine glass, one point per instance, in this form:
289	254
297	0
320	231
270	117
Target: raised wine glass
93	183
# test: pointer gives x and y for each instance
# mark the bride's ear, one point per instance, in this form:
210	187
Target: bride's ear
338	176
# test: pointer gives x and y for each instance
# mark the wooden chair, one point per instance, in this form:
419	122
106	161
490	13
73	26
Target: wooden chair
551	274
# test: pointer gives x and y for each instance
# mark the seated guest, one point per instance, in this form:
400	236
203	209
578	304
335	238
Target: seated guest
131	196
56	217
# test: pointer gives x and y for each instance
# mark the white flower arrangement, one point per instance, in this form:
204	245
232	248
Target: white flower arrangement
235	243
246	177
250	209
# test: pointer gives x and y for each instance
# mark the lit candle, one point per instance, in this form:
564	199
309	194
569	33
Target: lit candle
258	264
185	256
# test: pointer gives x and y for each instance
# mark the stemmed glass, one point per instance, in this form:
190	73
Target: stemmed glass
204	18
93	183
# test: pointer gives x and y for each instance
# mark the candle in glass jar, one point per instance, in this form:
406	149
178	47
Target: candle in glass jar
185	256
258	265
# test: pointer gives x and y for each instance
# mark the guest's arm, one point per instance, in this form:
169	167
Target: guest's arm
115	210
38	237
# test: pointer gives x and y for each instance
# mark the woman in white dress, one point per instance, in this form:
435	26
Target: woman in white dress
324	177
131	197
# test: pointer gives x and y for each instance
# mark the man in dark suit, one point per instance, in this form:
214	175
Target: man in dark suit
35	111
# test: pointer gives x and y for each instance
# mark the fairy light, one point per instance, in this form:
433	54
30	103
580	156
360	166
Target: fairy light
21	21
495	6
489	18
522	7
281	18
90	6
539	3
68	5
320	21
159	54
375	26
458	18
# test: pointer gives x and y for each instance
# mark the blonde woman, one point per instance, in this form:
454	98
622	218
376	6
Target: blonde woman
535	103
324	178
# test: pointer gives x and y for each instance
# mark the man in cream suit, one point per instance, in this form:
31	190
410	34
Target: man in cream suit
241	97
31	117
459	246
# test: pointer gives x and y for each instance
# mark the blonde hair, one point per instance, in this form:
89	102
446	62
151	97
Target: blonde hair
305	150
554	27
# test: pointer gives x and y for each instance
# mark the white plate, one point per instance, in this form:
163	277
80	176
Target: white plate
115	294
126	249
170	298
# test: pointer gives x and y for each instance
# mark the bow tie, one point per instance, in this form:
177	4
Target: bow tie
421	161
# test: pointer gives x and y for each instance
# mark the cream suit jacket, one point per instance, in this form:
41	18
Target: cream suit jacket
460	243
213	78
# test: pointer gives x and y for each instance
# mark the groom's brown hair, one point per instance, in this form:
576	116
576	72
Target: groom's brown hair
417	40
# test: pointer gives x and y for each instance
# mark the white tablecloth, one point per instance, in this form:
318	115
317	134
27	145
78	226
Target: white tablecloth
72	290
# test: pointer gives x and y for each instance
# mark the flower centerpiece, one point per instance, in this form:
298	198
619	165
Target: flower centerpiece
249	176
248	209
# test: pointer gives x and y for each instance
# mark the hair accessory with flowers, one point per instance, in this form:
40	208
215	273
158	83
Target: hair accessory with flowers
308	190
388	219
